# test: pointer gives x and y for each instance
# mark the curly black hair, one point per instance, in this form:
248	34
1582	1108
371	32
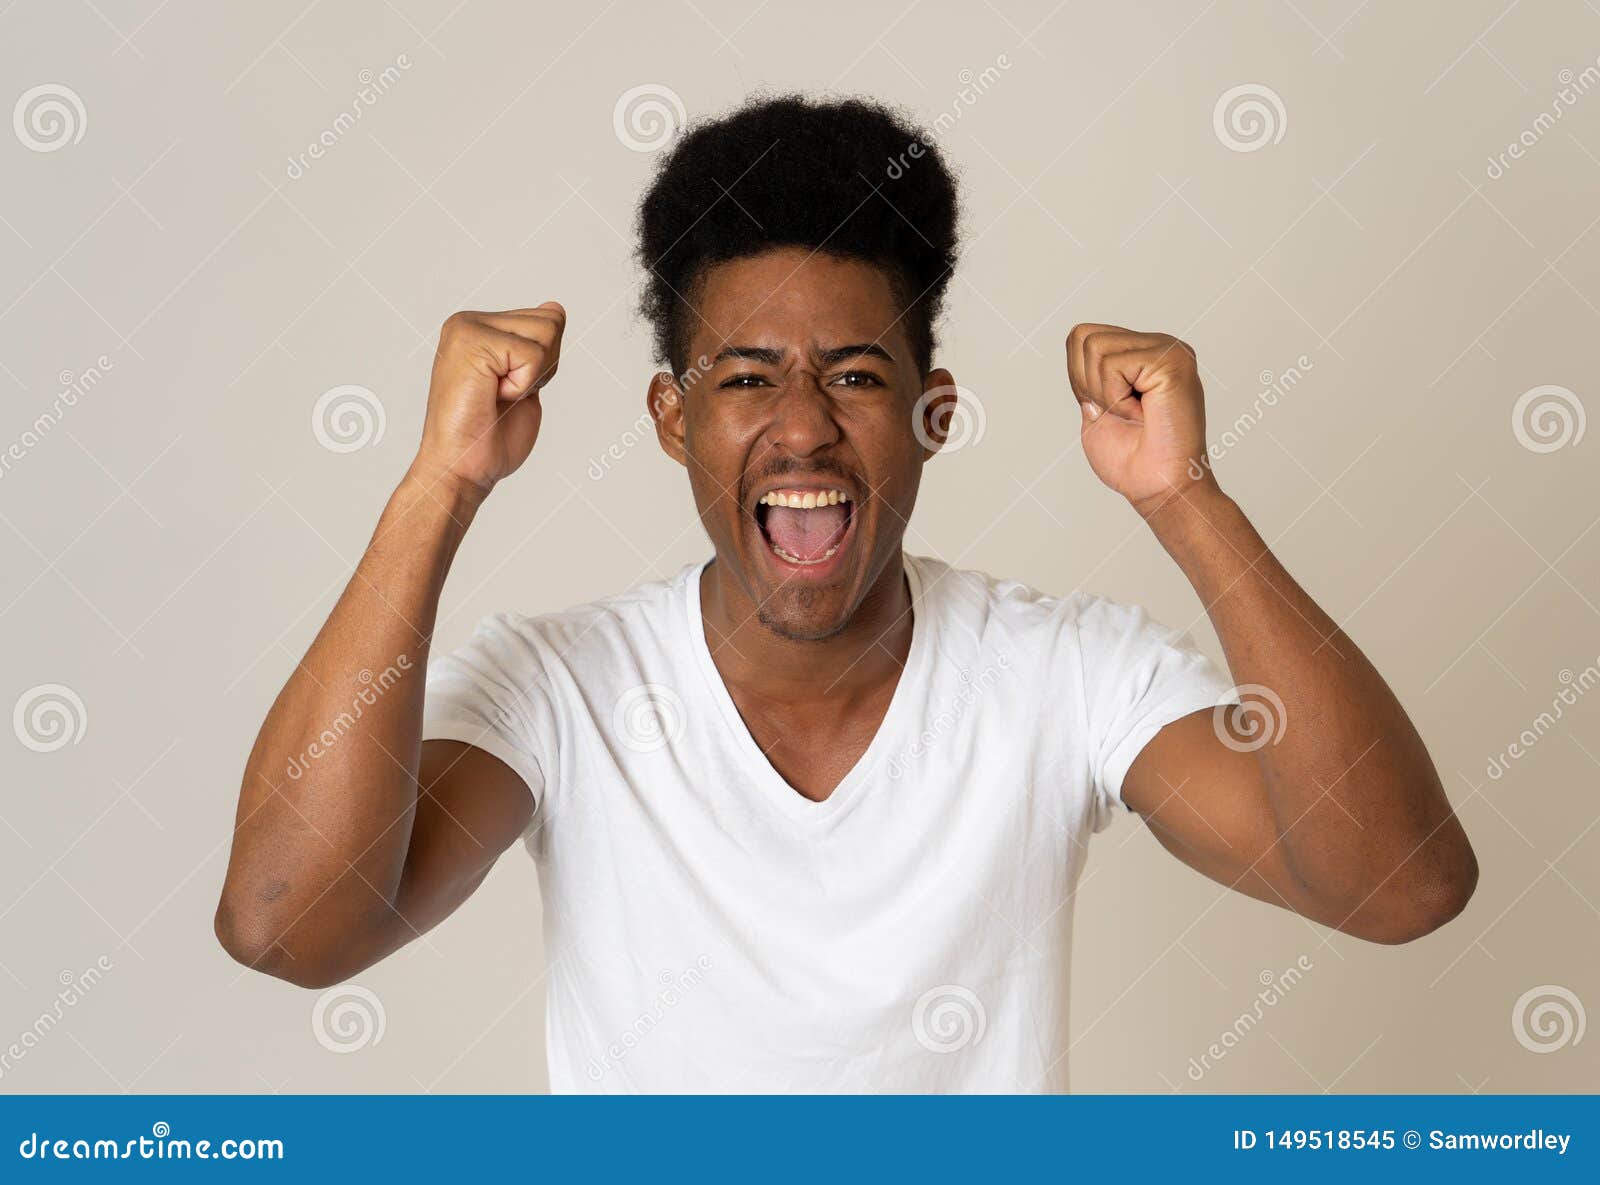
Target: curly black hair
847	177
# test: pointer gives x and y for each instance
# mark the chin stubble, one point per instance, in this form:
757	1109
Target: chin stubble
802	601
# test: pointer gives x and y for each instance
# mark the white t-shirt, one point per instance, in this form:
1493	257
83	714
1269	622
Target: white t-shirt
710	929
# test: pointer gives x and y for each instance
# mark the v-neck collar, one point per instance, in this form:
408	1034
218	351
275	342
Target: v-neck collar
771	784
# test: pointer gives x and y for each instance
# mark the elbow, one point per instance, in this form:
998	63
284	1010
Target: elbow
252	944
245	939
1430	902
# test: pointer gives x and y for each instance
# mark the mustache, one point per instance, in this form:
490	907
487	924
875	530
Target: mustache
788	466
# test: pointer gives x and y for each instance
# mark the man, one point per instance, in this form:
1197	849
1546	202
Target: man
808	816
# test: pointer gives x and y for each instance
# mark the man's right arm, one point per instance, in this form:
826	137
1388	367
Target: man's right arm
352	836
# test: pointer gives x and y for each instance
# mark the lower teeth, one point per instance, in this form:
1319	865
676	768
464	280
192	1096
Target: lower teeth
794	559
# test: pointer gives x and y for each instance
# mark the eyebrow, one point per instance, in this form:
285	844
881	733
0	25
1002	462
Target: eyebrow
762	354
770	357
863	350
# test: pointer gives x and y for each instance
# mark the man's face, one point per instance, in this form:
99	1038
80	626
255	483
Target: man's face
795	422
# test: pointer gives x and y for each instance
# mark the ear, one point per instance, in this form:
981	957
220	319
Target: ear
664	401
934	411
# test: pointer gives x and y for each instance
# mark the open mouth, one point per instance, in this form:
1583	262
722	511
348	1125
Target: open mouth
805	525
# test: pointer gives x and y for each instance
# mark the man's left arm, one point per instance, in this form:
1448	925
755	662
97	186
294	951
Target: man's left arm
1317	794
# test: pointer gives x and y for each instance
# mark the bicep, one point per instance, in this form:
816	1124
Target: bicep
1208	804
471	807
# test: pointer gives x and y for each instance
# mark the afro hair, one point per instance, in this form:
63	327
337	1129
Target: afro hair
849	178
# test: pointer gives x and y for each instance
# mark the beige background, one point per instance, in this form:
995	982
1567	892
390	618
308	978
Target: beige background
174	536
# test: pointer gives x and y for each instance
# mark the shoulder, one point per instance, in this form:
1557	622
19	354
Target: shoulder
649	608
975	612
975	599
648	616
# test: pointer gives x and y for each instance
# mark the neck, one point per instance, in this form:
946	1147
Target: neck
872	648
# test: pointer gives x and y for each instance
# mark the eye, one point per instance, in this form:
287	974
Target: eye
859	378
745	381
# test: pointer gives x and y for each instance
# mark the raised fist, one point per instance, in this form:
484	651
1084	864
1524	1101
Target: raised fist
483	399
1143	411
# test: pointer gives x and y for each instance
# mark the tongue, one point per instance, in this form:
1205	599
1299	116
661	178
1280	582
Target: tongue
806	534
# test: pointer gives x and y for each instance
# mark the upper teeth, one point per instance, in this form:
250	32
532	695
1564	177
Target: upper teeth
809	500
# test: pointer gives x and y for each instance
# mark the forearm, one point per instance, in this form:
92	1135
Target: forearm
329	794
1363	824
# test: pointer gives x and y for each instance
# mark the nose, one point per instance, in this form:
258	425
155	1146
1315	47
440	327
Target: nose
802	418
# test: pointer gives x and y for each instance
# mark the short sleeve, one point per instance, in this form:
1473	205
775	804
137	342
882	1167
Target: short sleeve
1139	676
491	693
